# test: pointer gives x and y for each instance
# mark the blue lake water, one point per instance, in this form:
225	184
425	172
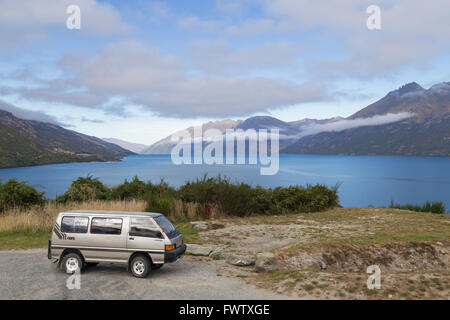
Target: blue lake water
365	180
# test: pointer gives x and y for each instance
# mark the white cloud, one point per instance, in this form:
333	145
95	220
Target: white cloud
412	32
219	56
193	22
342	125
29	114
251	27
164	84
26	21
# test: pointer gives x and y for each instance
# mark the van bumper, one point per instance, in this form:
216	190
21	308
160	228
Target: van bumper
49	250
171	256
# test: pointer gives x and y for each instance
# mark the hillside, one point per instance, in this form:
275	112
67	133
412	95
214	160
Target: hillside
134	147
408	121
289	131
164	146
426	132
28	142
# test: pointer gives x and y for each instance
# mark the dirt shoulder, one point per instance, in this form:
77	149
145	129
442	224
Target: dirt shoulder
326	254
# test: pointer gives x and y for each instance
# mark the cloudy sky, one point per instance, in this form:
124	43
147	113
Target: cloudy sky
140	70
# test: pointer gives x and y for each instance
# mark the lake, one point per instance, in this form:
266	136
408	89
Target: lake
365	180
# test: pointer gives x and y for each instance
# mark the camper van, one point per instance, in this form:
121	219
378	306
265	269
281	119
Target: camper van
141	240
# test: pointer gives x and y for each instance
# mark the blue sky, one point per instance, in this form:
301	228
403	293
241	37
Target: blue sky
139	70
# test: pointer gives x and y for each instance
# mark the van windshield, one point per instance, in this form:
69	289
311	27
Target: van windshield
167	226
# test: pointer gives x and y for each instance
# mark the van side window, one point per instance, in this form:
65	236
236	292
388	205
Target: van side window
106	226
144	227
74	224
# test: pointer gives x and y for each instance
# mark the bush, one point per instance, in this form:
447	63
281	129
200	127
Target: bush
85	189
207	197
138	189
16	193
240	199
433	207
156	203
129	190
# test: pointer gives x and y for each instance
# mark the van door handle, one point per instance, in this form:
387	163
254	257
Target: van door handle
131	238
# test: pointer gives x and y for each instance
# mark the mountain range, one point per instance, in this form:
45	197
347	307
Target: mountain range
408	121
30	142
426	132
133	147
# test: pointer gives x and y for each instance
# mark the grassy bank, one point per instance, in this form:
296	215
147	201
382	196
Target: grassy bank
30	228
353	226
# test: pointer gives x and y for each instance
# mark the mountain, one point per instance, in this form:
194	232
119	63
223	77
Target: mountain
289	131
134	147
164	146
408	121
425	132
30	142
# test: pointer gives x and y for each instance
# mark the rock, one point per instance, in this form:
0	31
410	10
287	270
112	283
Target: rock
322	264
217	225
217	254
265	262
199	225
439	243
313	263
240	260
198	250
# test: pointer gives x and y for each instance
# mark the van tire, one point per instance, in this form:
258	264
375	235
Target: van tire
140	266
71	262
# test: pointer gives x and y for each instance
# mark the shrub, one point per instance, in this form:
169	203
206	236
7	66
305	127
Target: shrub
138	189
433	207
241	199
156	203
85	189
129	190
14	193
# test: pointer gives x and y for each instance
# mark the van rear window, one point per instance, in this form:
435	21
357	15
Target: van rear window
167	226
106	226
74	224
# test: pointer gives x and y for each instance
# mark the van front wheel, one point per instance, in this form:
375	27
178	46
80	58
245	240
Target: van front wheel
140	266
71	263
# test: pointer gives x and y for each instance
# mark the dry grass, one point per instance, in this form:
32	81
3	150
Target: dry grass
39	219
190	211
424	284
334	230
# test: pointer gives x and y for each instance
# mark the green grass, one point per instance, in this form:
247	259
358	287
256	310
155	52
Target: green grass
23	240
13	240
433	207
190	235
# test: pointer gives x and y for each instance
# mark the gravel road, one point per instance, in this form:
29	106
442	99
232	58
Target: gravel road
28	274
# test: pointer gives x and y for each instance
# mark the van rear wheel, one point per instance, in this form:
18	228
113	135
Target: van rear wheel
71	263
140	266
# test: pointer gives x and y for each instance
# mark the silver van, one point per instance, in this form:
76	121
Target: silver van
142	240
